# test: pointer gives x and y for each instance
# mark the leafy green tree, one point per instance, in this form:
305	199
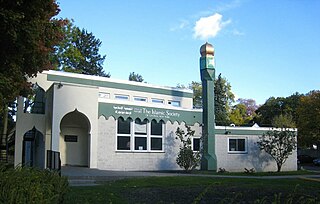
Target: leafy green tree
79	52
283	121
276	106
135	77
243	112
196	87
28	35
238	115
309	119
278	144
197	94
223	97
187	159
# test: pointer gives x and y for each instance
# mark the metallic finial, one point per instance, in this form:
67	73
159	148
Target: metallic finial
206	50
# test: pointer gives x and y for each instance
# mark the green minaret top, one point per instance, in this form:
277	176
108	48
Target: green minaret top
207	56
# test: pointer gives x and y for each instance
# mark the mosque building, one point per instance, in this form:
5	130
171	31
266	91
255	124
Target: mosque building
109	124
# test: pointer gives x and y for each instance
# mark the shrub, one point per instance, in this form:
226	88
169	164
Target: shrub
31	185
187	159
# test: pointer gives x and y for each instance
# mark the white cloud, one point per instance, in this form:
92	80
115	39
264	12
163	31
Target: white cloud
183	24
207	27
237	32
228	6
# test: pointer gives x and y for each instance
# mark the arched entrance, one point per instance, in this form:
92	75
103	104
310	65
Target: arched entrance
75	139
33	149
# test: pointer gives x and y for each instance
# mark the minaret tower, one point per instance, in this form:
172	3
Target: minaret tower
207	72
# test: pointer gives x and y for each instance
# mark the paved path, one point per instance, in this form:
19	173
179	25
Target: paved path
79	176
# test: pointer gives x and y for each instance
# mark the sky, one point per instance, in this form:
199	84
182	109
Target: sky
263	48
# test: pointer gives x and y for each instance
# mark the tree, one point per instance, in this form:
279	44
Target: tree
28	35
238	115
135	77
187	159
283	121
250	104
308	122
78	52
223	97
197	94
243	112
196	87
276	106
278	144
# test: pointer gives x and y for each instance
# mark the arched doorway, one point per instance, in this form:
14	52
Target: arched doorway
75	139
33	149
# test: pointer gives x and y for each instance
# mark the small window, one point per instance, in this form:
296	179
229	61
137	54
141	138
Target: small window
71	138
174	103
156	127
237	145
140	127
140	99
123	126
123	142
121	97
156	143
196	144
154	100
140	143
104	95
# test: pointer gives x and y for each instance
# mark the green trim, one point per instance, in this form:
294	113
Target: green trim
142	112
115	85
230	132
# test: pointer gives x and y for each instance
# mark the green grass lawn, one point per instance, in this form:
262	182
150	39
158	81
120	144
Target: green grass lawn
198	190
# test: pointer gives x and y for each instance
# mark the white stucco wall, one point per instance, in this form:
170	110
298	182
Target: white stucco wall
24	123
254	158
67	99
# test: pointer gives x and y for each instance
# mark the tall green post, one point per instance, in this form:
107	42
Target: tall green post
207	72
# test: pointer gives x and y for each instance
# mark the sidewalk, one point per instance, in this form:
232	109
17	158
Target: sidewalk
83	176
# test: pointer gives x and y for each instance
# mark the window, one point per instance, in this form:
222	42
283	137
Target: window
156	135
237	145
123	143
174	103
156	143
154	100
140	135
124	136
121	97
71	138
196	144
156	128
123	126
140	99
104	95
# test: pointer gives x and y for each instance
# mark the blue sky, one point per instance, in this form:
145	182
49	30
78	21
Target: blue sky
263	48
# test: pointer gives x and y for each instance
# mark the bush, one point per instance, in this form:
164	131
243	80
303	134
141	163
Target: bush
31	185
187	159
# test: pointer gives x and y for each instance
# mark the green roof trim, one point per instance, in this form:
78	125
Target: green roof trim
131	87
150	113
230	132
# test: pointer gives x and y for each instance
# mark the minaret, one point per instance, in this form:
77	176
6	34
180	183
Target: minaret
207	72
